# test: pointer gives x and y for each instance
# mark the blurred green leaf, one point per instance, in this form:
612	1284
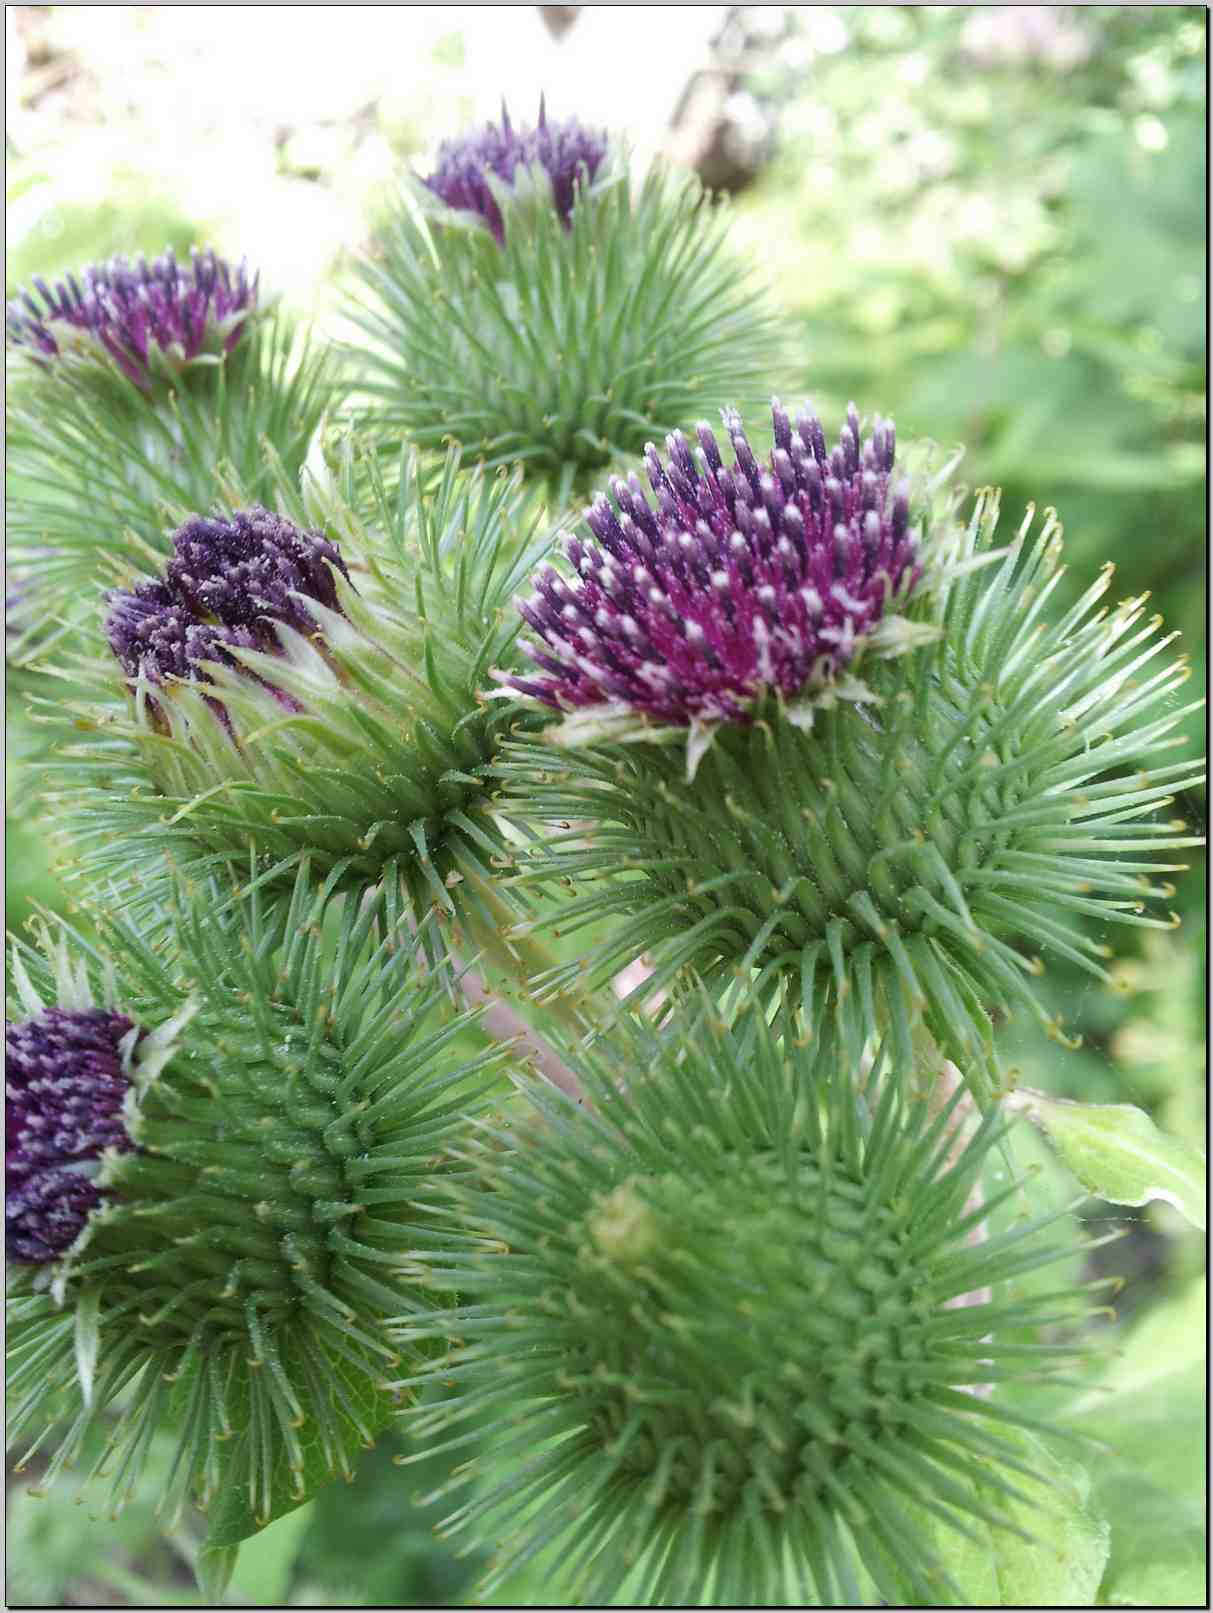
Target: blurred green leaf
266	1561
1063	1562
1118	1153
1149	1407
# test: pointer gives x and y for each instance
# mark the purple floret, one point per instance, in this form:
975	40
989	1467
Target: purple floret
568	152
64	1091
227	584
153	633
245	572
743	580
130	307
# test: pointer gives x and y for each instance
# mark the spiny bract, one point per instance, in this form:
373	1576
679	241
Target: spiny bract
710	1331
256	1211
907	853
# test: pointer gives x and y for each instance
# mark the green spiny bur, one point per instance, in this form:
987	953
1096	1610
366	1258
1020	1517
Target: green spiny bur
893	859
716	1321
365	745
294	1097
569	343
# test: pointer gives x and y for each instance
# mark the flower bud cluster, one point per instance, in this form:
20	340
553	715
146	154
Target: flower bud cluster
226	587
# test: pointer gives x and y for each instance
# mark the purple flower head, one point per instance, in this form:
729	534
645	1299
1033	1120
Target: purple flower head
227	585
127	308
569	154
63	1096
742	580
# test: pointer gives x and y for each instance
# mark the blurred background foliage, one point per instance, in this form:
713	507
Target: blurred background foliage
988	221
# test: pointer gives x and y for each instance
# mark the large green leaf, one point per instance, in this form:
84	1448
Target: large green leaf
1149	1407
1118	1153
1063	1561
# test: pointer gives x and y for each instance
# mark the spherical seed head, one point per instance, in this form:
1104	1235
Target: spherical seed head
727	1321
351	681
128	310
568	153
65	1087
744	580
911	854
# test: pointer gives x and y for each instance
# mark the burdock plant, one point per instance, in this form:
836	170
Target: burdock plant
746	824
316	692
525	303
813	744
218	1157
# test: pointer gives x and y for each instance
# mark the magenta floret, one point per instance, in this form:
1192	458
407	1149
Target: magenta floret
129	308
743	580
569	153
229	581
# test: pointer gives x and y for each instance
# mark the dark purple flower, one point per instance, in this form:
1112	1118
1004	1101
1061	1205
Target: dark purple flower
227	584
569	153
63	1096
127	308
742	580
246	572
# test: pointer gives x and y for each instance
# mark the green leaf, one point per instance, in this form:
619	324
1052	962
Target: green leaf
213	1570
266	1562
1158	1554
1063	1562
1150	1409
238	1512
1118	1153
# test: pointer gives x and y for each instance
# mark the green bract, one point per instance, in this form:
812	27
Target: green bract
294	1094
901	858
716	1331
561	348
374	766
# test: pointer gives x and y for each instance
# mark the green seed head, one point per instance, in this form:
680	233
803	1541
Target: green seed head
292	1098
736	1363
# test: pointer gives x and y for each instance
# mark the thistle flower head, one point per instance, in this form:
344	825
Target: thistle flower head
226	587
320	719
730	1338
554	335
910	853
258	1167
744	581
474	168
132	311
66	1085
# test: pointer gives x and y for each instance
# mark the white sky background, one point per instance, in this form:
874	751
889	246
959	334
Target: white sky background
193	96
